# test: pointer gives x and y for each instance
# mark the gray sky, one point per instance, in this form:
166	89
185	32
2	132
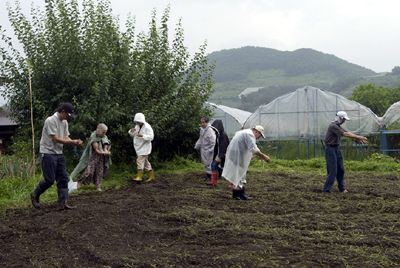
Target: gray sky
364	32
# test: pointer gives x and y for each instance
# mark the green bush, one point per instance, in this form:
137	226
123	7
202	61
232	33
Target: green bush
20	147
78	53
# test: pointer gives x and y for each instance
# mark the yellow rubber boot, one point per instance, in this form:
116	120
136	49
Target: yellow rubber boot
152	177
139	176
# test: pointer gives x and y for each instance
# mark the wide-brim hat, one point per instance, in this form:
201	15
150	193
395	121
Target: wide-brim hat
260	129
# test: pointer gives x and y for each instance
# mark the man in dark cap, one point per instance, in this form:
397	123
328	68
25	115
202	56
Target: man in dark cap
54	135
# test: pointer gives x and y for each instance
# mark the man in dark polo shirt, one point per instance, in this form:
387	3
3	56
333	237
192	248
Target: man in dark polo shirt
54	135
333	156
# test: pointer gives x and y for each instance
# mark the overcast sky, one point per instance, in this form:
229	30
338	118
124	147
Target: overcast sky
364	32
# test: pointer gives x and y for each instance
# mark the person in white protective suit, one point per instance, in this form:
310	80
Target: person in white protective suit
142	135
206	143
238	156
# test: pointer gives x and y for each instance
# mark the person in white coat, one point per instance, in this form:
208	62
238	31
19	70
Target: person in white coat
142	135
206	143
240	151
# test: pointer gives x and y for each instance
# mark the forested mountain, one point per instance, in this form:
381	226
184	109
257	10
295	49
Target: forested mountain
279	72
237	64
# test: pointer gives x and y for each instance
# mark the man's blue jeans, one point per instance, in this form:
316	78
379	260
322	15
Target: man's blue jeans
334	168
214	166
53	168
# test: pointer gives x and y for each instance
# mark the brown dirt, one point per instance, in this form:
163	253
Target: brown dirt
179	222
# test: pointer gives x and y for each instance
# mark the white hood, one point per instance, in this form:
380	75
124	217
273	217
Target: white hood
139	117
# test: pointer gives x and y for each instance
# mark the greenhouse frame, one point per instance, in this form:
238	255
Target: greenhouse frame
306	114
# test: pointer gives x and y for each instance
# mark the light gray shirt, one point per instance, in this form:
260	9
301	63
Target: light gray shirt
53	126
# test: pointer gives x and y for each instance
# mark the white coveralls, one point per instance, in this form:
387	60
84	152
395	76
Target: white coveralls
142	144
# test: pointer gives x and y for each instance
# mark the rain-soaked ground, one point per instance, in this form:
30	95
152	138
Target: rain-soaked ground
178	221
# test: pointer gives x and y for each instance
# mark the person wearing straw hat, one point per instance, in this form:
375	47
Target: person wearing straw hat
333	155
240	151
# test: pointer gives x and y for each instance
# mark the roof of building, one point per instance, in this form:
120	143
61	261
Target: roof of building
5	119
248	91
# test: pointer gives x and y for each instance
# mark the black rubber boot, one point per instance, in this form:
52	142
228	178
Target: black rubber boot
62	200
243	195
63	205
236	194
40	189
35	200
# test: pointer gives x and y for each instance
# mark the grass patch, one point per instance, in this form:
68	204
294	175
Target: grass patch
180	165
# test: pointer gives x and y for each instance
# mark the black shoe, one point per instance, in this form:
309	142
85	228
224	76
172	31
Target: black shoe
35	201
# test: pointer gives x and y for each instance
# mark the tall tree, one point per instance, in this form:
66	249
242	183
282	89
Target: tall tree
377	98
80	55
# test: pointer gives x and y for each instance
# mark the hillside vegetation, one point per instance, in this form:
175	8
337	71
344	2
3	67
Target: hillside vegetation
279	72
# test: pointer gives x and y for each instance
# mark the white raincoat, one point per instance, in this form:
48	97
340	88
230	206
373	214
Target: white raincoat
206	144
142	144
238	156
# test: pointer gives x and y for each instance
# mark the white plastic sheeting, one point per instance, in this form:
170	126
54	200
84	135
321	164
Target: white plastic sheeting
306	114
392	115
232	118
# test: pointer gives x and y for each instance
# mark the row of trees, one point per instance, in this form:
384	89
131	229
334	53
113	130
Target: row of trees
79	54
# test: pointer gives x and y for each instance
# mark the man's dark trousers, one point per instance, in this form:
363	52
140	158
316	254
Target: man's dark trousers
53	168
334	168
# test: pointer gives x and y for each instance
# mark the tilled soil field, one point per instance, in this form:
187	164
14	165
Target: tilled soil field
178	221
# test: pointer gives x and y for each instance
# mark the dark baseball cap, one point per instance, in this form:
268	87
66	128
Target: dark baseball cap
67	107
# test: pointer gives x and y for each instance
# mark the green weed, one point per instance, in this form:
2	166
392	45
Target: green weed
16	167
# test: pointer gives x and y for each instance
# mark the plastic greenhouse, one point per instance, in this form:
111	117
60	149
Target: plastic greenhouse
306	114
390	139
392	115
232	118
